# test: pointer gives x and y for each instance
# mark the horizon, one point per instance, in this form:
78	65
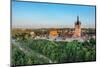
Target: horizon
51	28
44	15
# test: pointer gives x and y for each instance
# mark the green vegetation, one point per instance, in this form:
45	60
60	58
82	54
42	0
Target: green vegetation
30	51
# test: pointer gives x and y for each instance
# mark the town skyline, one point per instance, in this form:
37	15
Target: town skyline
31	15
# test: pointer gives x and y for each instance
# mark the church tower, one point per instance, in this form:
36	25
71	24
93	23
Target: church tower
77	32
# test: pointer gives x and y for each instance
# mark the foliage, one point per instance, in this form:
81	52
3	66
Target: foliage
57	52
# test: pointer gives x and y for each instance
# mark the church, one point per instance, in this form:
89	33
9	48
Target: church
76	33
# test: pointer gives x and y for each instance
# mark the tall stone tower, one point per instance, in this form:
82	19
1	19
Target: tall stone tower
77	32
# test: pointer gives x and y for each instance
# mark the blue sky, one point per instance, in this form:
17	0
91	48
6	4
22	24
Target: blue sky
44	15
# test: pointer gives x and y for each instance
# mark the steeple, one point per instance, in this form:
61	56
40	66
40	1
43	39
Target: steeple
77	32
77	18
78	22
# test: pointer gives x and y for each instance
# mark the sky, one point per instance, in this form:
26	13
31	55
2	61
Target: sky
47	15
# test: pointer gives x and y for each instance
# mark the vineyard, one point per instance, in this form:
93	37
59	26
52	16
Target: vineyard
40	51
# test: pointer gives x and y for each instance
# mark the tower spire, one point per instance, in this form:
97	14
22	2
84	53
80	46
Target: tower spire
77	28
78	22
77	18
